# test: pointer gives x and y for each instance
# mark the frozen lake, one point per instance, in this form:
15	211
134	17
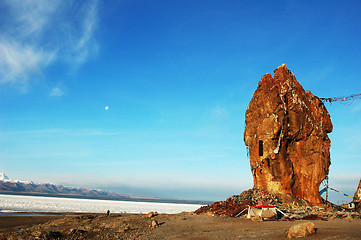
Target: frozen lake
18	203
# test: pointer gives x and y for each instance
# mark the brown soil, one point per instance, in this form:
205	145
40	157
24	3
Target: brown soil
171	226
9	223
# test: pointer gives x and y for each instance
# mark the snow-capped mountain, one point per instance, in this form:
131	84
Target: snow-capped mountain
3	177
28	187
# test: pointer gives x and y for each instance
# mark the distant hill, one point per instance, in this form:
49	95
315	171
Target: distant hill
30	188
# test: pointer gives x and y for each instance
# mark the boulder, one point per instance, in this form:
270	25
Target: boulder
301	230
286	135
155	224
150	215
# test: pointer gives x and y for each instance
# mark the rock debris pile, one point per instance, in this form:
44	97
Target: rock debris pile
292	211
228	208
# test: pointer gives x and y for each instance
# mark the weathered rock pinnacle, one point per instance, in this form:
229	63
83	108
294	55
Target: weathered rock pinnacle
286	133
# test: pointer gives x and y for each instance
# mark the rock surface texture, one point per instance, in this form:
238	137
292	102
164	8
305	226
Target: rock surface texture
357	195
286	135
357	198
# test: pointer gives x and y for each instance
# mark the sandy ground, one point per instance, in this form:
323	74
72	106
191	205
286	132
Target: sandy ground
171	226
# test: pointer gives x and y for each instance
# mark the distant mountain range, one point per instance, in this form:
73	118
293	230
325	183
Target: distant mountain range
30	188
17	187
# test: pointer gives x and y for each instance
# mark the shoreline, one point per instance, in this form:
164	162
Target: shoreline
126	199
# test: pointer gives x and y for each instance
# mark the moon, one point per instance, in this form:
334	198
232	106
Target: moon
106	108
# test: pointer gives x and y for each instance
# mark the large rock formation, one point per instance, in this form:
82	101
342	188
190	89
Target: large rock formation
286	134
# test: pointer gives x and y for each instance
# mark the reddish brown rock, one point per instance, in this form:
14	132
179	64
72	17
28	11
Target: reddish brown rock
228	208
286	134
357	198
357	195
150	215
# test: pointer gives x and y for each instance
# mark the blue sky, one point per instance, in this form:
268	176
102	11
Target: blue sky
177	77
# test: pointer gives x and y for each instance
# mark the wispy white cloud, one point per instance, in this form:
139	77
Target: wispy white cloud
28	19
18	61
39	33
57	92
219	111
86	44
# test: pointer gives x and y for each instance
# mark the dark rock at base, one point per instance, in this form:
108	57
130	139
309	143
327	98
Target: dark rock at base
358	207
228	208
